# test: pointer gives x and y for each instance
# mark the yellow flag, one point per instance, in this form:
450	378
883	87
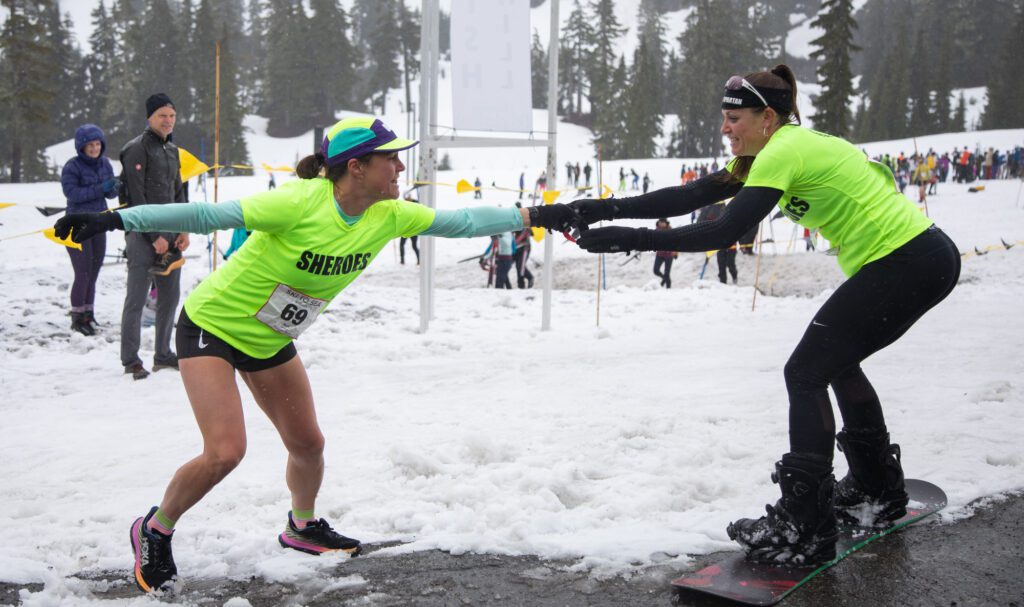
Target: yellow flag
538	233
551	195
464	186
67	242
606	192
4	205
190	165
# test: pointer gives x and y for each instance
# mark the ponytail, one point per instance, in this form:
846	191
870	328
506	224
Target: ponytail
310	166
782	71
313	166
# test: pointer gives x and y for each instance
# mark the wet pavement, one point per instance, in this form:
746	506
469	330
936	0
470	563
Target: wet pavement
977	561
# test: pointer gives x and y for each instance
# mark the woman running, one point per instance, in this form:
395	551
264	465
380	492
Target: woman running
310	239
898	265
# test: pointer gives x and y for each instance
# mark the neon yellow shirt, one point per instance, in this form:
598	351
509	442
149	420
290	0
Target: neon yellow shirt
831	186
300	255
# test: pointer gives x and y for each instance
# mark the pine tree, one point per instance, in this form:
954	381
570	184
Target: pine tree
1006	91
409	47
291	71
26	99
374	22
124	110
233	148
334	55
539	73
66	76
576	37
834	74
642	110
920	99
717	43
253	63
608	123
886	113
959	121
600	68
103	42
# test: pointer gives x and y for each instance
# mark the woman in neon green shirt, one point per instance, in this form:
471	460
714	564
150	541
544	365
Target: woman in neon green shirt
898	263
310	239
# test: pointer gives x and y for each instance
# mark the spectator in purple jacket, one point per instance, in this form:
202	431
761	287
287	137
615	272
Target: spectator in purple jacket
88	180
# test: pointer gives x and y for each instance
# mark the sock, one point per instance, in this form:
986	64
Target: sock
301	517
160	523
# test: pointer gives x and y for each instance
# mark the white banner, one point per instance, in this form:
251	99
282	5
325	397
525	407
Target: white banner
491	80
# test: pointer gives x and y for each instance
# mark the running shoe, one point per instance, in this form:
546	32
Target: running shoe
154	564
316	538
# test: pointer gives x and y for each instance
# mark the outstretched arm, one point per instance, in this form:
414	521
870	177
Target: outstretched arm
197	218
666	202
749	207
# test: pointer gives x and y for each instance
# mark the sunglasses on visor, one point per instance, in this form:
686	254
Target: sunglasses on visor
739	82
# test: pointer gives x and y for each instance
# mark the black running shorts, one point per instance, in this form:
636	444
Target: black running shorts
193	341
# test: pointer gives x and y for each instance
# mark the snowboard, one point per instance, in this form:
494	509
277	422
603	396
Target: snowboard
748	583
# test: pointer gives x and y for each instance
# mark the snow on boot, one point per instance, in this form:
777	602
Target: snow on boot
800	529
872	494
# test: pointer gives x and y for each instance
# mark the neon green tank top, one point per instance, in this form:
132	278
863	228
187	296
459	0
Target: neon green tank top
831	186
300	255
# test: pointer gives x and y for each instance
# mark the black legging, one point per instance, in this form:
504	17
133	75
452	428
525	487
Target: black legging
865	314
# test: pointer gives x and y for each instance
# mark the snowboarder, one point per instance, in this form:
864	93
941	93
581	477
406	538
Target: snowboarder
311	238
899	266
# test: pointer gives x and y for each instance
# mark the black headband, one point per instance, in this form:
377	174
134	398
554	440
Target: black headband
779	100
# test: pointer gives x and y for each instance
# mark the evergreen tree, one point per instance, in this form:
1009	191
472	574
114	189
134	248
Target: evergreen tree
942	78
600	68
886	113
717	43
123	113
374	24
101	83
1006	91
253	63
920	100
834	74
409	46
539	73
576	37
233	148
642	110
26	96
200	130
608	124
291	71
333	54
66	76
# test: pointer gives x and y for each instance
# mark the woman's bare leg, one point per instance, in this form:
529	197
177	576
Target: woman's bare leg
213	393
284	394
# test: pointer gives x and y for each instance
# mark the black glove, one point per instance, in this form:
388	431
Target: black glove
593	211
616	239
559	217
111	185
83	226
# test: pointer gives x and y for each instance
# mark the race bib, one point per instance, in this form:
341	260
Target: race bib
290	312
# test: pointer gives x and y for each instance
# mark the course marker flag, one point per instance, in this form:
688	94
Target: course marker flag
67	242
190	165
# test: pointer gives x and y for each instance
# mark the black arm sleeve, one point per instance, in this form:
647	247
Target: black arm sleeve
749	207
680	200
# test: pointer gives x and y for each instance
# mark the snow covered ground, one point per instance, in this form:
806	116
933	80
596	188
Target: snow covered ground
620	445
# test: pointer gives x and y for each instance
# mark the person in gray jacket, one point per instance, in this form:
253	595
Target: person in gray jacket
151	173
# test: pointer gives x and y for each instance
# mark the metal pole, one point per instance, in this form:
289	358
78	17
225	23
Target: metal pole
216	143
428	73
549	247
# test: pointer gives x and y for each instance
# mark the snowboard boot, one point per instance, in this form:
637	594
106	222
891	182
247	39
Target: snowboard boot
89	319
80	325
872	494
800	529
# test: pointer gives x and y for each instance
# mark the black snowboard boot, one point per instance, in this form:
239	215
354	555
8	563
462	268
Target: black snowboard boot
872	494
80	325
800	529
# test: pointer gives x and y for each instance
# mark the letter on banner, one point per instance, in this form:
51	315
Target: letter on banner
491	84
